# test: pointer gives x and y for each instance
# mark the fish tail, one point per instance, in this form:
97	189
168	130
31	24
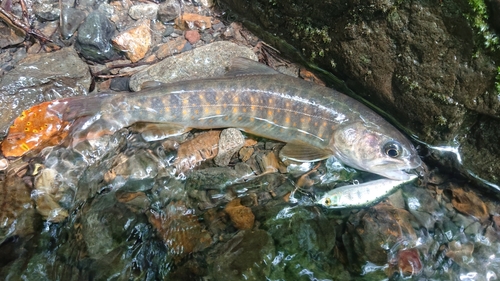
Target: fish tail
76	107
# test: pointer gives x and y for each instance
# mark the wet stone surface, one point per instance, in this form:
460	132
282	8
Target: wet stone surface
202	205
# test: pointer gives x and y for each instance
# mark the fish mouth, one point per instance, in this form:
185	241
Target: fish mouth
400	175
397	170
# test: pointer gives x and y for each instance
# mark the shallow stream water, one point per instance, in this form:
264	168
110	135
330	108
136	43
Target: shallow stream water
117	208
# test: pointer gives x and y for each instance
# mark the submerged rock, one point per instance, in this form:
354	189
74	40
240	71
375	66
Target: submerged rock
241	216
39	78
180	230
247	256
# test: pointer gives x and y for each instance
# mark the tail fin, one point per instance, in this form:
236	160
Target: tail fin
75	107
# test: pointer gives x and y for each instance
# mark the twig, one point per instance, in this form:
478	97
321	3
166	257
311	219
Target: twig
15	22
25	11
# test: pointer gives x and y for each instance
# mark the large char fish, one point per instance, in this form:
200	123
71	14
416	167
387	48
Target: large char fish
316	122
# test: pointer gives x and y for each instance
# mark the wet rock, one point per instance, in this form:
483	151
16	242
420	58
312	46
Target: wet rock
241	216
4	164
120	84
46	10
180	230
71	19
47	195
217	178
169	10
386	72
192	36
10	36
39	78
16	208
231	140
460	253
193	21
495	13
105	224
191	153
141	165
212	58
94	38
134	42
171	47
247	256
423	206
375	231
245	153
144	11
409	262
468	203
269	163
302	228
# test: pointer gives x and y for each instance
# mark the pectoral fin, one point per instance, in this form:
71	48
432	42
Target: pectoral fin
303	153
158	131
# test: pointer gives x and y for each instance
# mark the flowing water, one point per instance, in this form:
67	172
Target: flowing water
118	208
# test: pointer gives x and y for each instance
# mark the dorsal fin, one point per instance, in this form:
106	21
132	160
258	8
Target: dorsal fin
244	67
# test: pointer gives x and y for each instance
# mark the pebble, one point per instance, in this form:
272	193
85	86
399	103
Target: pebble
193	21
231	140
169	10
171	47
241	216
245	153
144	11
134	42
4	164
180	229
192	36
71	19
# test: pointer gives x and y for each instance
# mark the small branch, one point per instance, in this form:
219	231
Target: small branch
15	22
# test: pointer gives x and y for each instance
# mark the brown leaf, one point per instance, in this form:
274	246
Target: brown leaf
469	203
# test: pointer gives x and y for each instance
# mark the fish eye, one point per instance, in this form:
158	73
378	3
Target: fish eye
392	149
328	201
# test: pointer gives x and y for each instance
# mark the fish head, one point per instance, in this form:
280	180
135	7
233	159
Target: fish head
376	148
35	126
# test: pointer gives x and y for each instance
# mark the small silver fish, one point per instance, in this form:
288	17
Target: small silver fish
360	195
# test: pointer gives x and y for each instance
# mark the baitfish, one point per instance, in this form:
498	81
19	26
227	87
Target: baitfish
360	195
316	122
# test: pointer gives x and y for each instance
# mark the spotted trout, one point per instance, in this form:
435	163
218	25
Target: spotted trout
316	122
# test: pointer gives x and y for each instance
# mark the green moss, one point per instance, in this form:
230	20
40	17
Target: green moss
497	81
479	20
441	120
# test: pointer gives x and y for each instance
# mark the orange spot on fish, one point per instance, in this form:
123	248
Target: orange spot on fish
218	112
34	129
269	113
